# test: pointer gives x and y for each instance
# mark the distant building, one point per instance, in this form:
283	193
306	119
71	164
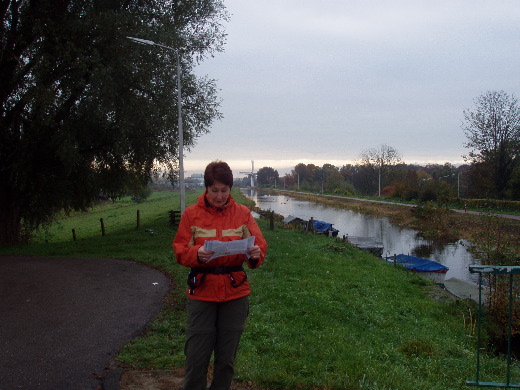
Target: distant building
195	180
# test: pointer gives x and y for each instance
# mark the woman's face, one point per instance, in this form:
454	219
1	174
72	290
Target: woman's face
217	194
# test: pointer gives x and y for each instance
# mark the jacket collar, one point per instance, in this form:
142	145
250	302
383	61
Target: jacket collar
203	202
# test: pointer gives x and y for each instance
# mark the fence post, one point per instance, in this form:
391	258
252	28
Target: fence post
173	217
74	234
102	227
271	220
310	225
138	220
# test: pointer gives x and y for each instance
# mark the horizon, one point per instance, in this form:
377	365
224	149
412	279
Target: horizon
240	168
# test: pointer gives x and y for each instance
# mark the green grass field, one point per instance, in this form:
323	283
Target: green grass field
323	315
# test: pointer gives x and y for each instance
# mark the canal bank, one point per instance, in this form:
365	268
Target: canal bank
466	224
400	214
394	224
381	226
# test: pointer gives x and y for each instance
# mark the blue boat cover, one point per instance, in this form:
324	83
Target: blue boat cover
322	227
419	264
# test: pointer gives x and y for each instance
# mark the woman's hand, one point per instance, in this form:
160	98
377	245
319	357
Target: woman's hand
254	252
204	256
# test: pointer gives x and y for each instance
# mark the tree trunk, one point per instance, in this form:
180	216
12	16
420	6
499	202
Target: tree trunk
10	221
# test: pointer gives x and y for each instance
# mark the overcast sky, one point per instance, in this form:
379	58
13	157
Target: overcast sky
321	81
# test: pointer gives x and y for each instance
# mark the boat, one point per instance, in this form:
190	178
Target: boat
326	228
429	268
295	221
319	227
418	264
368	244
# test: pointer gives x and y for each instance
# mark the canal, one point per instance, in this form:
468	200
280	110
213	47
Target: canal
396	240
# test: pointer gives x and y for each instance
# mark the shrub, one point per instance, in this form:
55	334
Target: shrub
495	245
434	222
492	204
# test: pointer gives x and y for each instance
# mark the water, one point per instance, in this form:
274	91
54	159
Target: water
395	240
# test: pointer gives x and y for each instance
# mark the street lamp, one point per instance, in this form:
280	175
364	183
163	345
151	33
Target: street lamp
179	107
379	192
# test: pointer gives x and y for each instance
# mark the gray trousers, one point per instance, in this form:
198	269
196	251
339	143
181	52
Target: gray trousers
213	327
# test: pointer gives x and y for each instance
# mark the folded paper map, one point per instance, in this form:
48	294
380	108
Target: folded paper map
225	248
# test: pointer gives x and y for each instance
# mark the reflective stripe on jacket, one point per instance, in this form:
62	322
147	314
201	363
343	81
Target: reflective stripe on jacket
201	222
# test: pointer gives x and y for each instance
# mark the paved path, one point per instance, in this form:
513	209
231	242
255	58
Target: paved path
465	290
62	320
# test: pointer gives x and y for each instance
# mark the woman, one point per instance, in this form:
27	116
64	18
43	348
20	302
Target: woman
218	288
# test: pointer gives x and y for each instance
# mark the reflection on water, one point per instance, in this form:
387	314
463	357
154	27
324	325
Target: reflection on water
395	239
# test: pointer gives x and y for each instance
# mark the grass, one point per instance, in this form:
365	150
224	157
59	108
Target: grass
323	314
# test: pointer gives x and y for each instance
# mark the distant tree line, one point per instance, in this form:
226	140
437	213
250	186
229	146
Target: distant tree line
492	171
492	168
431	182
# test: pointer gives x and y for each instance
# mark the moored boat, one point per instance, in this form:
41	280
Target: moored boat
429	268
319	227
326	228
368	244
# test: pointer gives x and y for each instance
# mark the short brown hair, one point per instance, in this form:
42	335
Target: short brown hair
218	171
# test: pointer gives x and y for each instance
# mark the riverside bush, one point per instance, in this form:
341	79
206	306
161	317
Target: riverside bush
492	204
434	222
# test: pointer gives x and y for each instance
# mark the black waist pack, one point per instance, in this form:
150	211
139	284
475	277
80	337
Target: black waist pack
194	281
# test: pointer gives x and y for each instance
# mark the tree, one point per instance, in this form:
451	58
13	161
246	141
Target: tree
267	176
307	176
493	132
333	180
410	185
514	184
478	181
379	161
300	174
288	181
348	171
320	176
84	111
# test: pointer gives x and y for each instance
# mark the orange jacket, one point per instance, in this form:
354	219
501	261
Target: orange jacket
201	222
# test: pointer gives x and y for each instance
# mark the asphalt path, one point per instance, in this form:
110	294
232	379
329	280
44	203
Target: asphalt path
63	320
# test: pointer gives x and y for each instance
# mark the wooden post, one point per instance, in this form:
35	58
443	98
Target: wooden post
395	259
74	234
310	225
173	217
138	220
102	227
271	220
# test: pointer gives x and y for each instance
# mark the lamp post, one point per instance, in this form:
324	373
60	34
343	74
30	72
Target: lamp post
379	180
179	107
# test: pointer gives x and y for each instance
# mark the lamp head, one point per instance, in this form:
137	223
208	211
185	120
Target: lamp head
142	41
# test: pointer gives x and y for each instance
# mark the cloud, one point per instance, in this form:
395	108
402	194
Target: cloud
307	80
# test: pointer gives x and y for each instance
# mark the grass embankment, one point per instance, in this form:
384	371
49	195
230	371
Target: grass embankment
323	315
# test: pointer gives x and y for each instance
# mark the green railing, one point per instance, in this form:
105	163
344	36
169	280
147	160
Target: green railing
498	270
